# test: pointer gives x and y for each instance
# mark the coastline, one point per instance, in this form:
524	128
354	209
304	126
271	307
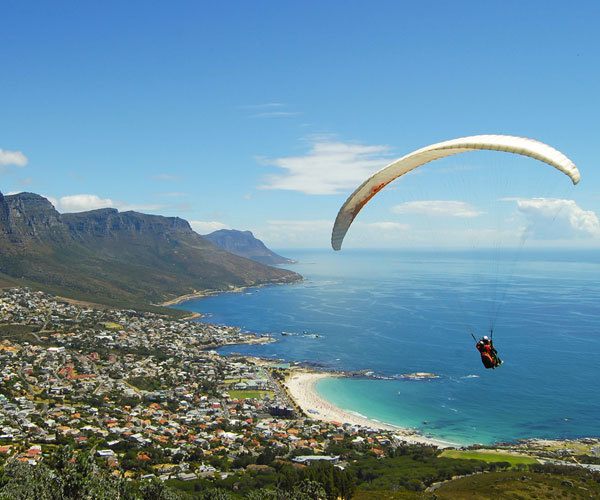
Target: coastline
338	414
192	317
200	294
189	296
301	386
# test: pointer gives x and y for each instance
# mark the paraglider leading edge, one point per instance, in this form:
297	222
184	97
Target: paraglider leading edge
505	143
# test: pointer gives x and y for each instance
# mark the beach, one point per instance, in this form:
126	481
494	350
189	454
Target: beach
206	293
301	386
184	298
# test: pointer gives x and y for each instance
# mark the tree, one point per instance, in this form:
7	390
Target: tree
266	457
71	480
22	481
306	490
156	490
216	494
262	494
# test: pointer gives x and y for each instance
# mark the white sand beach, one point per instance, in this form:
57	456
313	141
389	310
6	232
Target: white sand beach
301	387
200	294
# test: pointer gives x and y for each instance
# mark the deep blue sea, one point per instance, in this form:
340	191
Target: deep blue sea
397	312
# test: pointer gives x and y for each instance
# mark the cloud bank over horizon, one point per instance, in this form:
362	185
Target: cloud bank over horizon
557	219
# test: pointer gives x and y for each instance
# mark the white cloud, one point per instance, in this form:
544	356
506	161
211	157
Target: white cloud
328	168
557	219
84	202
16	158
205	227
539	219
437	208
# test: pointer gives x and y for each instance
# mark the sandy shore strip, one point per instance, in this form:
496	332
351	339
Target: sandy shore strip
301	386
204	293
189	296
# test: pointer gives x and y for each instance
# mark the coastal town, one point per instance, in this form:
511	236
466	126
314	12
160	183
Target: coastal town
149	398
147	394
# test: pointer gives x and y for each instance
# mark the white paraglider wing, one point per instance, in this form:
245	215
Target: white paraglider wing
509	144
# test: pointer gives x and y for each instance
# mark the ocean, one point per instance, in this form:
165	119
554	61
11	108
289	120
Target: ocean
398	312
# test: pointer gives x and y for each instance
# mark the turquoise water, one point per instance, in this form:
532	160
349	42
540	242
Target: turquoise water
399	312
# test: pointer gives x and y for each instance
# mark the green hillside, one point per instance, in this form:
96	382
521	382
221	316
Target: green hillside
127	259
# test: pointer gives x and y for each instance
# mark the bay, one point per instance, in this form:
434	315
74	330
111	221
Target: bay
396	312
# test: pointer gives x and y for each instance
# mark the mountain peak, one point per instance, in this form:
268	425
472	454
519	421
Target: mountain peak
31	216
29	200
244	244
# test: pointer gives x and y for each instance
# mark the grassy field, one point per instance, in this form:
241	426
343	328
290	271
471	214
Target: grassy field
250	394
112	326
518	485
489	456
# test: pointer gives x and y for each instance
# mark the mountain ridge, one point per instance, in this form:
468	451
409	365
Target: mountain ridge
245	244
111	257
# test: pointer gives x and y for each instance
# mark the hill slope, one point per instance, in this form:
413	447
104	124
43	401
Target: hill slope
244	244
124	258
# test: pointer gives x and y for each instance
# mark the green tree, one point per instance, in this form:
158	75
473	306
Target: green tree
23	481
156	490
262	494
215	494
306	490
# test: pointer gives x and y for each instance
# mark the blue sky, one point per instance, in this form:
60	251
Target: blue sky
266	115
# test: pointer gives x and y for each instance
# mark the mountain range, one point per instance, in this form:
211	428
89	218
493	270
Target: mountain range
116	258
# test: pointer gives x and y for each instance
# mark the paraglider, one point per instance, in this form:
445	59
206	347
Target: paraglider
505	143
489	354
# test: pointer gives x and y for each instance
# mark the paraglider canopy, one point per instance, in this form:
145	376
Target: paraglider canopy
505	143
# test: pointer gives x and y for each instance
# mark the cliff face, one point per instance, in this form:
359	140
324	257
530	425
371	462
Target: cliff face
116	257
4	221
32	217
244	244
110	223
